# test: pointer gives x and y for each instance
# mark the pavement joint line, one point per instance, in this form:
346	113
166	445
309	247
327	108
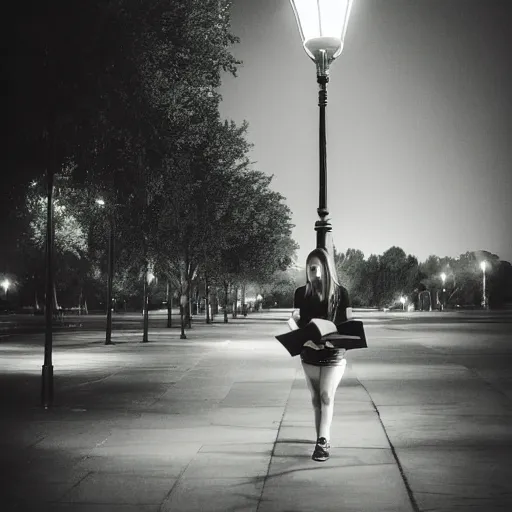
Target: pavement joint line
408	487
260	499
80	480
175	485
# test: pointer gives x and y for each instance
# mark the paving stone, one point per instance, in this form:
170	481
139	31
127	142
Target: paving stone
163	465
162	421
408	427
247	448
268	417
215	495
459	479
403	372
104	488
25	492
327	487
260	394
94	507
210	465
444	391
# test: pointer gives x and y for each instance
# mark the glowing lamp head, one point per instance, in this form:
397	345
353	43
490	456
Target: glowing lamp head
483	265
322	26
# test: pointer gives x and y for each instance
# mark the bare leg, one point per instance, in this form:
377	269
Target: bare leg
312	374
330	377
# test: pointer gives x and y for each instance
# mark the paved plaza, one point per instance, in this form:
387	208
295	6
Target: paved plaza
222	421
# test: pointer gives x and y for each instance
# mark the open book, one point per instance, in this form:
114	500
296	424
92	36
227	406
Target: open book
347	335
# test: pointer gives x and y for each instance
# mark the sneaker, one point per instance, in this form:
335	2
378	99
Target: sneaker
321	452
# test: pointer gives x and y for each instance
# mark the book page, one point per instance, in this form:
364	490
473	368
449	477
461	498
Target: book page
292	324
324	326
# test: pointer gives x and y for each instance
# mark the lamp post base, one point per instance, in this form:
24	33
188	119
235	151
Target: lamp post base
47	386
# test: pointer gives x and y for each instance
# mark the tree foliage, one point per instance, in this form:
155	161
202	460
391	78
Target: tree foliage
120	100
382	279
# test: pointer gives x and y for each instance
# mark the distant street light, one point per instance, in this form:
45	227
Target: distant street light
483	266
5	285
443	279
402	300
110	276
322	26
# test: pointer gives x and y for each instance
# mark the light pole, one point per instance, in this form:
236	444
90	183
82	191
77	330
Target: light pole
148	279
402	300
483	266
5	285
322	26
47	369
110	278
443	279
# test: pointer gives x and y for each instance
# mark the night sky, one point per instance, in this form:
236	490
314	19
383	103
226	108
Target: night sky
419	123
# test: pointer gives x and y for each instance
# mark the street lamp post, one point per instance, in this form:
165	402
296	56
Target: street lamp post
402	300
443	279
483	266
110	278
322	26
47	369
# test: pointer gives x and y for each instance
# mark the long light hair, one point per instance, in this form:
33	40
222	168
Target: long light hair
330	283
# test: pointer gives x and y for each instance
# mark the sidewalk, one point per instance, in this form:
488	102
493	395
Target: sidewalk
218	422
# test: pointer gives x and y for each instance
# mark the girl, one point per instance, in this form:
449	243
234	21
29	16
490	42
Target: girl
324	365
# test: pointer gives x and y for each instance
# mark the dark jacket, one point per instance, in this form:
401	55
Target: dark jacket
310	308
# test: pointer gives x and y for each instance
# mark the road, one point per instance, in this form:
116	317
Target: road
222	420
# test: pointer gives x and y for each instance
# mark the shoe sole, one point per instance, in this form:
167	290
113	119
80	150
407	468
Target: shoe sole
320	458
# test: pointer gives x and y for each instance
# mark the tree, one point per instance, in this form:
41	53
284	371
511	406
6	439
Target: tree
500	285
71	243
381	279
350	267
258	239
392	280
279	290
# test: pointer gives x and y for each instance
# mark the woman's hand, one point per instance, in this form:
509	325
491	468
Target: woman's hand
320	346
292	321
